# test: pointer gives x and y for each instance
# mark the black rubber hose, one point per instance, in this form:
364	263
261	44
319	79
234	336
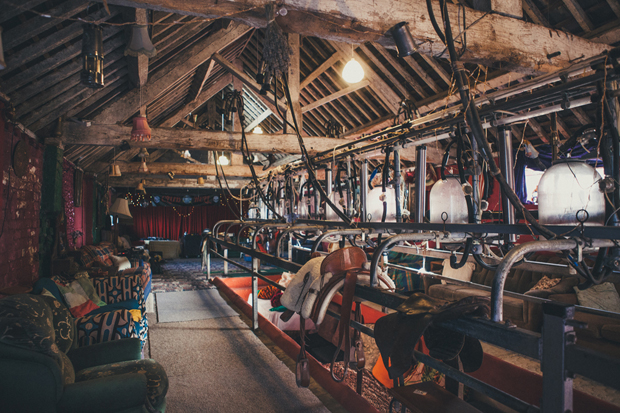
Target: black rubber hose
431	13
444	160
383	217
473	121
339	181
470	207
386	170
372	176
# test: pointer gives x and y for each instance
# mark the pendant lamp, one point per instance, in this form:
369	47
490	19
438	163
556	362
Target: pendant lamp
140	186
115	171
92	56
200	180
143	168
2	62
141	130
353	72
403	39
140	42
120	208
223	160
258	129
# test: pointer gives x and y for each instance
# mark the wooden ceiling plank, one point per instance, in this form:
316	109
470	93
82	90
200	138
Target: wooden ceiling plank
581	116
200	77
10	12
57	89
10	84
257	120
387	73
434	64
534	13
327	112
615	7
414	65
39	24
335	95
161	81
171	138
542	134
579	14
38	122
336	57
520	45
294	112
53	41
96	101
199	101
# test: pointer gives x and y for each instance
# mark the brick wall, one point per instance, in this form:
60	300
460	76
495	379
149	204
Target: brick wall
19	209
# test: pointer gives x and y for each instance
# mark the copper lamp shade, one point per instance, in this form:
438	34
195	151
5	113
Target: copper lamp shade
140	187
140	42
141	130
201	181
143	168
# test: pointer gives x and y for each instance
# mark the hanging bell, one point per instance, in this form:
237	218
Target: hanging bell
92	56
404	41
201	180
2	61
140	42
115	171
143	168
141	130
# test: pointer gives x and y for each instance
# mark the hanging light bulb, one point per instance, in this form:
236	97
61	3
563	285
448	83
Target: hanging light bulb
257	129
353	71
140	42
2	62
223	160
200	180
141	130
143	168
92	56
185	154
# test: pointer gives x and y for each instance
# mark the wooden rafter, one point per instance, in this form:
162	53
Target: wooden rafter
211	183
519	45
186	169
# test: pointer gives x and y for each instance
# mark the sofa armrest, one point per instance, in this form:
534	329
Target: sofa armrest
121	287
428	281
126	392
105	353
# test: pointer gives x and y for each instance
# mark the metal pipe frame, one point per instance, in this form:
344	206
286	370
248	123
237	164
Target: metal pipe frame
397	180
336	232
501	273
285	232
420	184
507	168
364	191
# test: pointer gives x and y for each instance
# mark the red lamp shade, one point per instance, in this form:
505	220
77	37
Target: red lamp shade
141	130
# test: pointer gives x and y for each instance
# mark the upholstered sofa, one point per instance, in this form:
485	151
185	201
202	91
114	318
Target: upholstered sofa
113	321
602	333
103	257
41	370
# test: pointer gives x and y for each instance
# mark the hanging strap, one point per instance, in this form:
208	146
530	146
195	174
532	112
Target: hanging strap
302	374
344	330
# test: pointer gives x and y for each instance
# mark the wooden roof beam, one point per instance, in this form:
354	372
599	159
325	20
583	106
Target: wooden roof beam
514	44
335	95
187	169
210	183
171	138
199	101
185	63
579	14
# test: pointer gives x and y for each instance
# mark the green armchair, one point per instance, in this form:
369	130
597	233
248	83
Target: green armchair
42	371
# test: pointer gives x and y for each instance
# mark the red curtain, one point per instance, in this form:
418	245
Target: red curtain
172	222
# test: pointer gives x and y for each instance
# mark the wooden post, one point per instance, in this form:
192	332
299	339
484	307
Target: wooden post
293	82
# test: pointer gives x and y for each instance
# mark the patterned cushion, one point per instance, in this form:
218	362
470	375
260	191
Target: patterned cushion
545	283
156	378
64	327
99	254
103	327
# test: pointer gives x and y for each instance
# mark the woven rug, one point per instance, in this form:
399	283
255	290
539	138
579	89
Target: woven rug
185	274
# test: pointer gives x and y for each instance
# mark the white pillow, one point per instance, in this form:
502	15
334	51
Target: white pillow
463	274
121	262
603	296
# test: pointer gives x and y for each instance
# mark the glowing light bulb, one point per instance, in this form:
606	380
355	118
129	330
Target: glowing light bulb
223	160
257	129
353	72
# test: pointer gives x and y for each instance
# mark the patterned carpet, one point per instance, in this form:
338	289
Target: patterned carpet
185	274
